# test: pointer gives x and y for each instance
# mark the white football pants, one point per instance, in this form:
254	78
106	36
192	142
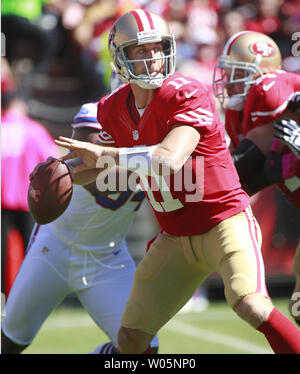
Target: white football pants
51	271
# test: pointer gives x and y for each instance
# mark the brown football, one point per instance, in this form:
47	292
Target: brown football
50	191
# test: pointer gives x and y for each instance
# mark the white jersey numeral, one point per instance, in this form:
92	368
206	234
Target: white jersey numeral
158	183
178	82
193	189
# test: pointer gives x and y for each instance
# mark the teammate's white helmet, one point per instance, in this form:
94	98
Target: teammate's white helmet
140	27
251	52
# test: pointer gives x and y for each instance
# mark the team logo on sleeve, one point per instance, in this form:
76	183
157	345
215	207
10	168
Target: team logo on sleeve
262	48
104	137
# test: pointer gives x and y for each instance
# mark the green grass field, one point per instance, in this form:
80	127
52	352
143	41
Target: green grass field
215	330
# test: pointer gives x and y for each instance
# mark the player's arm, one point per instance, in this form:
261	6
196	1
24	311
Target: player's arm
165	158
87	177
82	177
251	153
259	161
173	151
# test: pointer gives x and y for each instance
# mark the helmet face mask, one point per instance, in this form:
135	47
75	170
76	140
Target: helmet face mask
230	75
126	32
247	56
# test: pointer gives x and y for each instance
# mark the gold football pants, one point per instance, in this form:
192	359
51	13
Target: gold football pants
175	266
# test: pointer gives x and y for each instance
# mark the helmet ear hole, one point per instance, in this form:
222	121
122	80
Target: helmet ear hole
125	51
120	53
117	62
166	45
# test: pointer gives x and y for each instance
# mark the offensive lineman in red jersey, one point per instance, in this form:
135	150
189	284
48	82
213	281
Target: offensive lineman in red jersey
164	126
255	94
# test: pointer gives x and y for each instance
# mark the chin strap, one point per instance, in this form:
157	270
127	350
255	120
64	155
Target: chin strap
149	83
236	102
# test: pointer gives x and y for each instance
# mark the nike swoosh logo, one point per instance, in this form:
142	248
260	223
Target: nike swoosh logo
188	95
266	87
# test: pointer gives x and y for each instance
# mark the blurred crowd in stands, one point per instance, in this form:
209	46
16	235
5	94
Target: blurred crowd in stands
69	37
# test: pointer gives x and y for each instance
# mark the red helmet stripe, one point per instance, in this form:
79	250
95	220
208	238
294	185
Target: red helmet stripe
150	19
143	19
138	20
230	42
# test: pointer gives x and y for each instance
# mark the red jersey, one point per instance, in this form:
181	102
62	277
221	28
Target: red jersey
266	100
208	191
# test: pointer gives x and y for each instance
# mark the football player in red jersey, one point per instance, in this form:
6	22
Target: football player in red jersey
164	126
256	94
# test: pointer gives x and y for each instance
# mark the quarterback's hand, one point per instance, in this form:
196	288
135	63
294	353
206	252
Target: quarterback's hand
288	131
37	167
88	152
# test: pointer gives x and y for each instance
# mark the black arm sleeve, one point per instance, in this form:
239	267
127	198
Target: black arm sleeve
256	171
247	157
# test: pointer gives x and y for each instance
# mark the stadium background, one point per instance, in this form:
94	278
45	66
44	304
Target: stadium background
56	50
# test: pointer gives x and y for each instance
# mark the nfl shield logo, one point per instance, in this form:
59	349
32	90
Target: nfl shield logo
135	135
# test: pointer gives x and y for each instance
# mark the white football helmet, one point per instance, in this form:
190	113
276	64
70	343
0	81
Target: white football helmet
252	54
135	28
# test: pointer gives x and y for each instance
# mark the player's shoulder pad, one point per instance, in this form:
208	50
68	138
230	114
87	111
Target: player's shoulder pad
185	86
268	94
267	81
109	104
181	91
86	117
